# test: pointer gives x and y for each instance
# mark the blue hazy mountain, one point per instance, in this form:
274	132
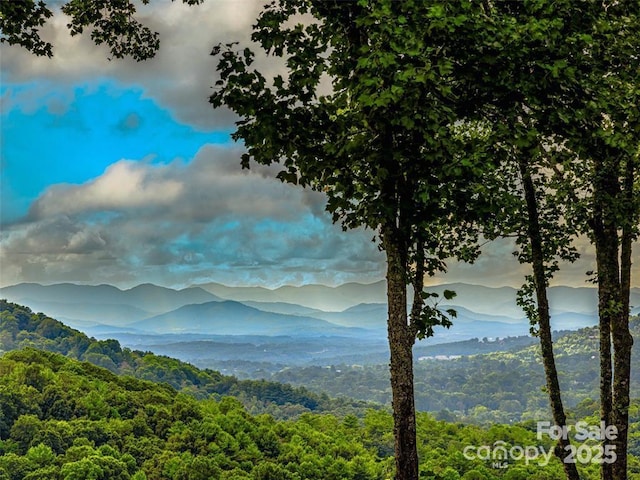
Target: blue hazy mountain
103	304
320	297
234	318
105	307
374	315
467	323
479	299
283	307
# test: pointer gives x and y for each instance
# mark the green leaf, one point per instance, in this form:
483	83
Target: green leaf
449	294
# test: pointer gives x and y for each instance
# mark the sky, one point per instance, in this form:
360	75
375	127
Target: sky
119	172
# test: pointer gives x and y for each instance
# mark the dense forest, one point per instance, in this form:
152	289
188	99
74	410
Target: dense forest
472	388
88	409
476	380
437	126
501	386
62	418
20	328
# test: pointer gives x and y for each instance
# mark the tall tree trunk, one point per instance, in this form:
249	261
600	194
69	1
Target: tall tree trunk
622	346
632	219
612	390
621	335
401	343
605	297
562	450
613	398
622	343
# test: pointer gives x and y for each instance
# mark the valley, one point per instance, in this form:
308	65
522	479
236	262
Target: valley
254	332
474	390
332	340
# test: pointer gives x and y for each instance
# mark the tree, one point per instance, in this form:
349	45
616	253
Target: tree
372	111
597	117
610	140
543	259
533	212
532	207
568	75
389	145
111	22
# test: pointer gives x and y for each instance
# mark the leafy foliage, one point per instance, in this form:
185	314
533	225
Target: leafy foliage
502	386
343	120
66	419
20	22
20	328
112	22
75	420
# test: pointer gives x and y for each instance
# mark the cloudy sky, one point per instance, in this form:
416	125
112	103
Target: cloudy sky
121	172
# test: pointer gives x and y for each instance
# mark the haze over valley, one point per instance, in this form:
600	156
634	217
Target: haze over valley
254	331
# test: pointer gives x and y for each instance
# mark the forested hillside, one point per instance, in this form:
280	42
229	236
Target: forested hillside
500	387
494	387
64	417
61	418
20	328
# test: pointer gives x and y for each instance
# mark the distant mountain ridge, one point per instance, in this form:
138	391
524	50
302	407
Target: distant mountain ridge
319	297
476	298
79	305
105	308
147	297
235	318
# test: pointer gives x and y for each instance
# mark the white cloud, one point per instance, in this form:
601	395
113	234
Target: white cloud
209	220
204	220
125	184
182	223
179	77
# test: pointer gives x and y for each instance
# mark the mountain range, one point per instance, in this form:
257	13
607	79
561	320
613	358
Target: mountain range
350	309
234	318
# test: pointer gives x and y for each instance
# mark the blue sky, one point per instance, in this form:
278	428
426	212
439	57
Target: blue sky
121	172
52	139
98	185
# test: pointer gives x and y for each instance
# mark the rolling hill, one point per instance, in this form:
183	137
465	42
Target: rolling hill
105	309
234	318
21	328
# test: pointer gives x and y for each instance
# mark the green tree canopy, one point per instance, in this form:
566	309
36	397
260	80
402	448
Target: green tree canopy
373	110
